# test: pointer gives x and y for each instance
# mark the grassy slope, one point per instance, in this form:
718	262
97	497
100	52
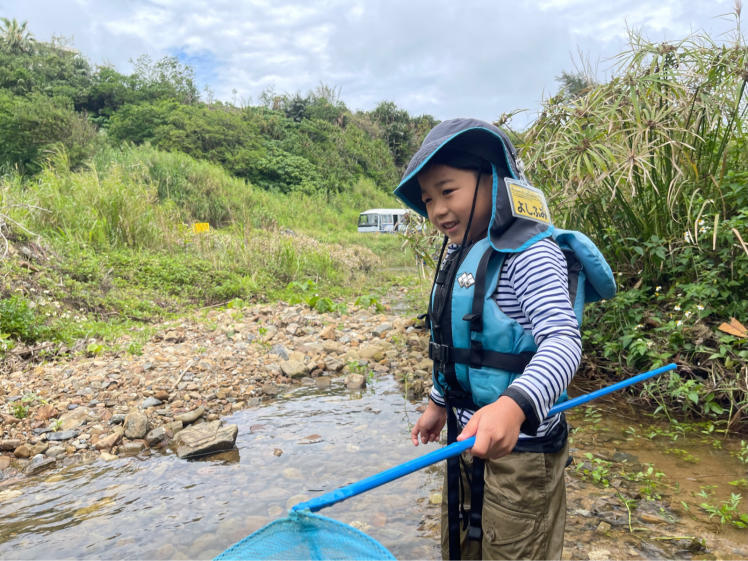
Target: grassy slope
113	250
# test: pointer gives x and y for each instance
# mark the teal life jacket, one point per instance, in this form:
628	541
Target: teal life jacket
477	349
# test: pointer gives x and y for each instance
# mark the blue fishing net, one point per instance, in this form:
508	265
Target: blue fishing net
303	535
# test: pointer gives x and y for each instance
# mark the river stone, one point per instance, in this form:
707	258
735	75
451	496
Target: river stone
322	382
279	350
294	368
381	329
5	462
76	418
23	451
334	364
190	416
157	436
373	352
205	438
150	402
55	451
132	448
10	444
136	424
599	555
117	419
62	435
109	440
38	464
355	381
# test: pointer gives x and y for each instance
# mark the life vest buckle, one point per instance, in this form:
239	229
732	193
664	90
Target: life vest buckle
439	353
476	321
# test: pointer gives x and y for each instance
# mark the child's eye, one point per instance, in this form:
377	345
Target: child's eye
447	191
426	201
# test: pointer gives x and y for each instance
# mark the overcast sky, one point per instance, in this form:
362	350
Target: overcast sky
447	58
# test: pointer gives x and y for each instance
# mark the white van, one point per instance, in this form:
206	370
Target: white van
382	220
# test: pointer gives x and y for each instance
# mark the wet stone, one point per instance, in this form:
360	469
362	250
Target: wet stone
38	464
355	381
117	419
205	438
132	448
62	435
157	436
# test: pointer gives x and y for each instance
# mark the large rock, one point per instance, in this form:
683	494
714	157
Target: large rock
294	368
136	424
205	438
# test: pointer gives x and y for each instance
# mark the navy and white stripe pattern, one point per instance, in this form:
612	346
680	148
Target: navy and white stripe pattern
533	290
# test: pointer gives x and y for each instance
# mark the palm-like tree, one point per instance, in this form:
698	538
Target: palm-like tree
15	37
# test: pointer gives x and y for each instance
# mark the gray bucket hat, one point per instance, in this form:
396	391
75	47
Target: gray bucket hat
507	232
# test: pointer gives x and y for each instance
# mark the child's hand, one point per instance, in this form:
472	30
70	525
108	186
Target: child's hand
430	424
496	428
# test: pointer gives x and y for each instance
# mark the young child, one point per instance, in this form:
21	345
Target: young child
505	341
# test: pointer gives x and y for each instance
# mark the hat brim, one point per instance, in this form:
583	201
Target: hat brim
476	140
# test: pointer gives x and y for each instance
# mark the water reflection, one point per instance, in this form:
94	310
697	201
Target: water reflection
308	442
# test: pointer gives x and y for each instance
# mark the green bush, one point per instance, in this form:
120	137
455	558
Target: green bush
18	319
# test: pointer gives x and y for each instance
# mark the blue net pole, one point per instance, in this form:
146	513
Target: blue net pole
333	497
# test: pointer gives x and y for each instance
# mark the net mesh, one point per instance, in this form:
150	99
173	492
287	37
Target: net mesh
303	535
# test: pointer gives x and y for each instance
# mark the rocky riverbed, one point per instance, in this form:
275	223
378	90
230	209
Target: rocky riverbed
194	372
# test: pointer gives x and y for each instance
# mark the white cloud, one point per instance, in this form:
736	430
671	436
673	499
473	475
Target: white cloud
478	57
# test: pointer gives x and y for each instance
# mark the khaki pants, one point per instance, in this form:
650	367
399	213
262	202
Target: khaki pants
524	508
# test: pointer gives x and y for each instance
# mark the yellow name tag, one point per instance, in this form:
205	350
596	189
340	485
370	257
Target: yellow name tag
527	201
200	227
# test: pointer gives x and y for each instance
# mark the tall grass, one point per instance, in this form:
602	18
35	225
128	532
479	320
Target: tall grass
140	199
642	162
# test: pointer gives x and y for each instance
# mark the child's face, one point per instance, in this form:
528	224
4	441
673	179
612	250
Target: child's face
448	193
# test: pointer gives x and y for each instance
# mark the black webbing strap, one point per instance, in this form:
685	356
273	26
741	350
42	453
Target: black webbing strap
573	268
493	359
453	488
475	529
443	354
479	292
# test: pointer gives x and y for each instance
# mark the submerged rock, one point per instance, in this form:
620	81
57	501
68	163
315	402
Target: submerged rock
38	464
206	438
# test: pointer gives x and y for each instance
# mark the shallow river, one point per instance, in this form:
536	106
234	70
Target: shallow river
312	441
161	507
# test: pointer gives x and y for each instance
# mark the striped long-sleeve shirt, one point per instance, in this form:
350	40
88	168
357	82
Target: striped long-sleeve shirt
533	290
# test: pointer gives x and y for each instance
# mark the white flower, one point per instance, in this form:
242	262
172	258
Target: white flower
678	323
699	307
677	308
658	288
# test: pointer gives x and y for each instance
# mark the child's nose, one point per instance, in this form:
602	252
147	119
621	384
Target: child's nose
438	208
